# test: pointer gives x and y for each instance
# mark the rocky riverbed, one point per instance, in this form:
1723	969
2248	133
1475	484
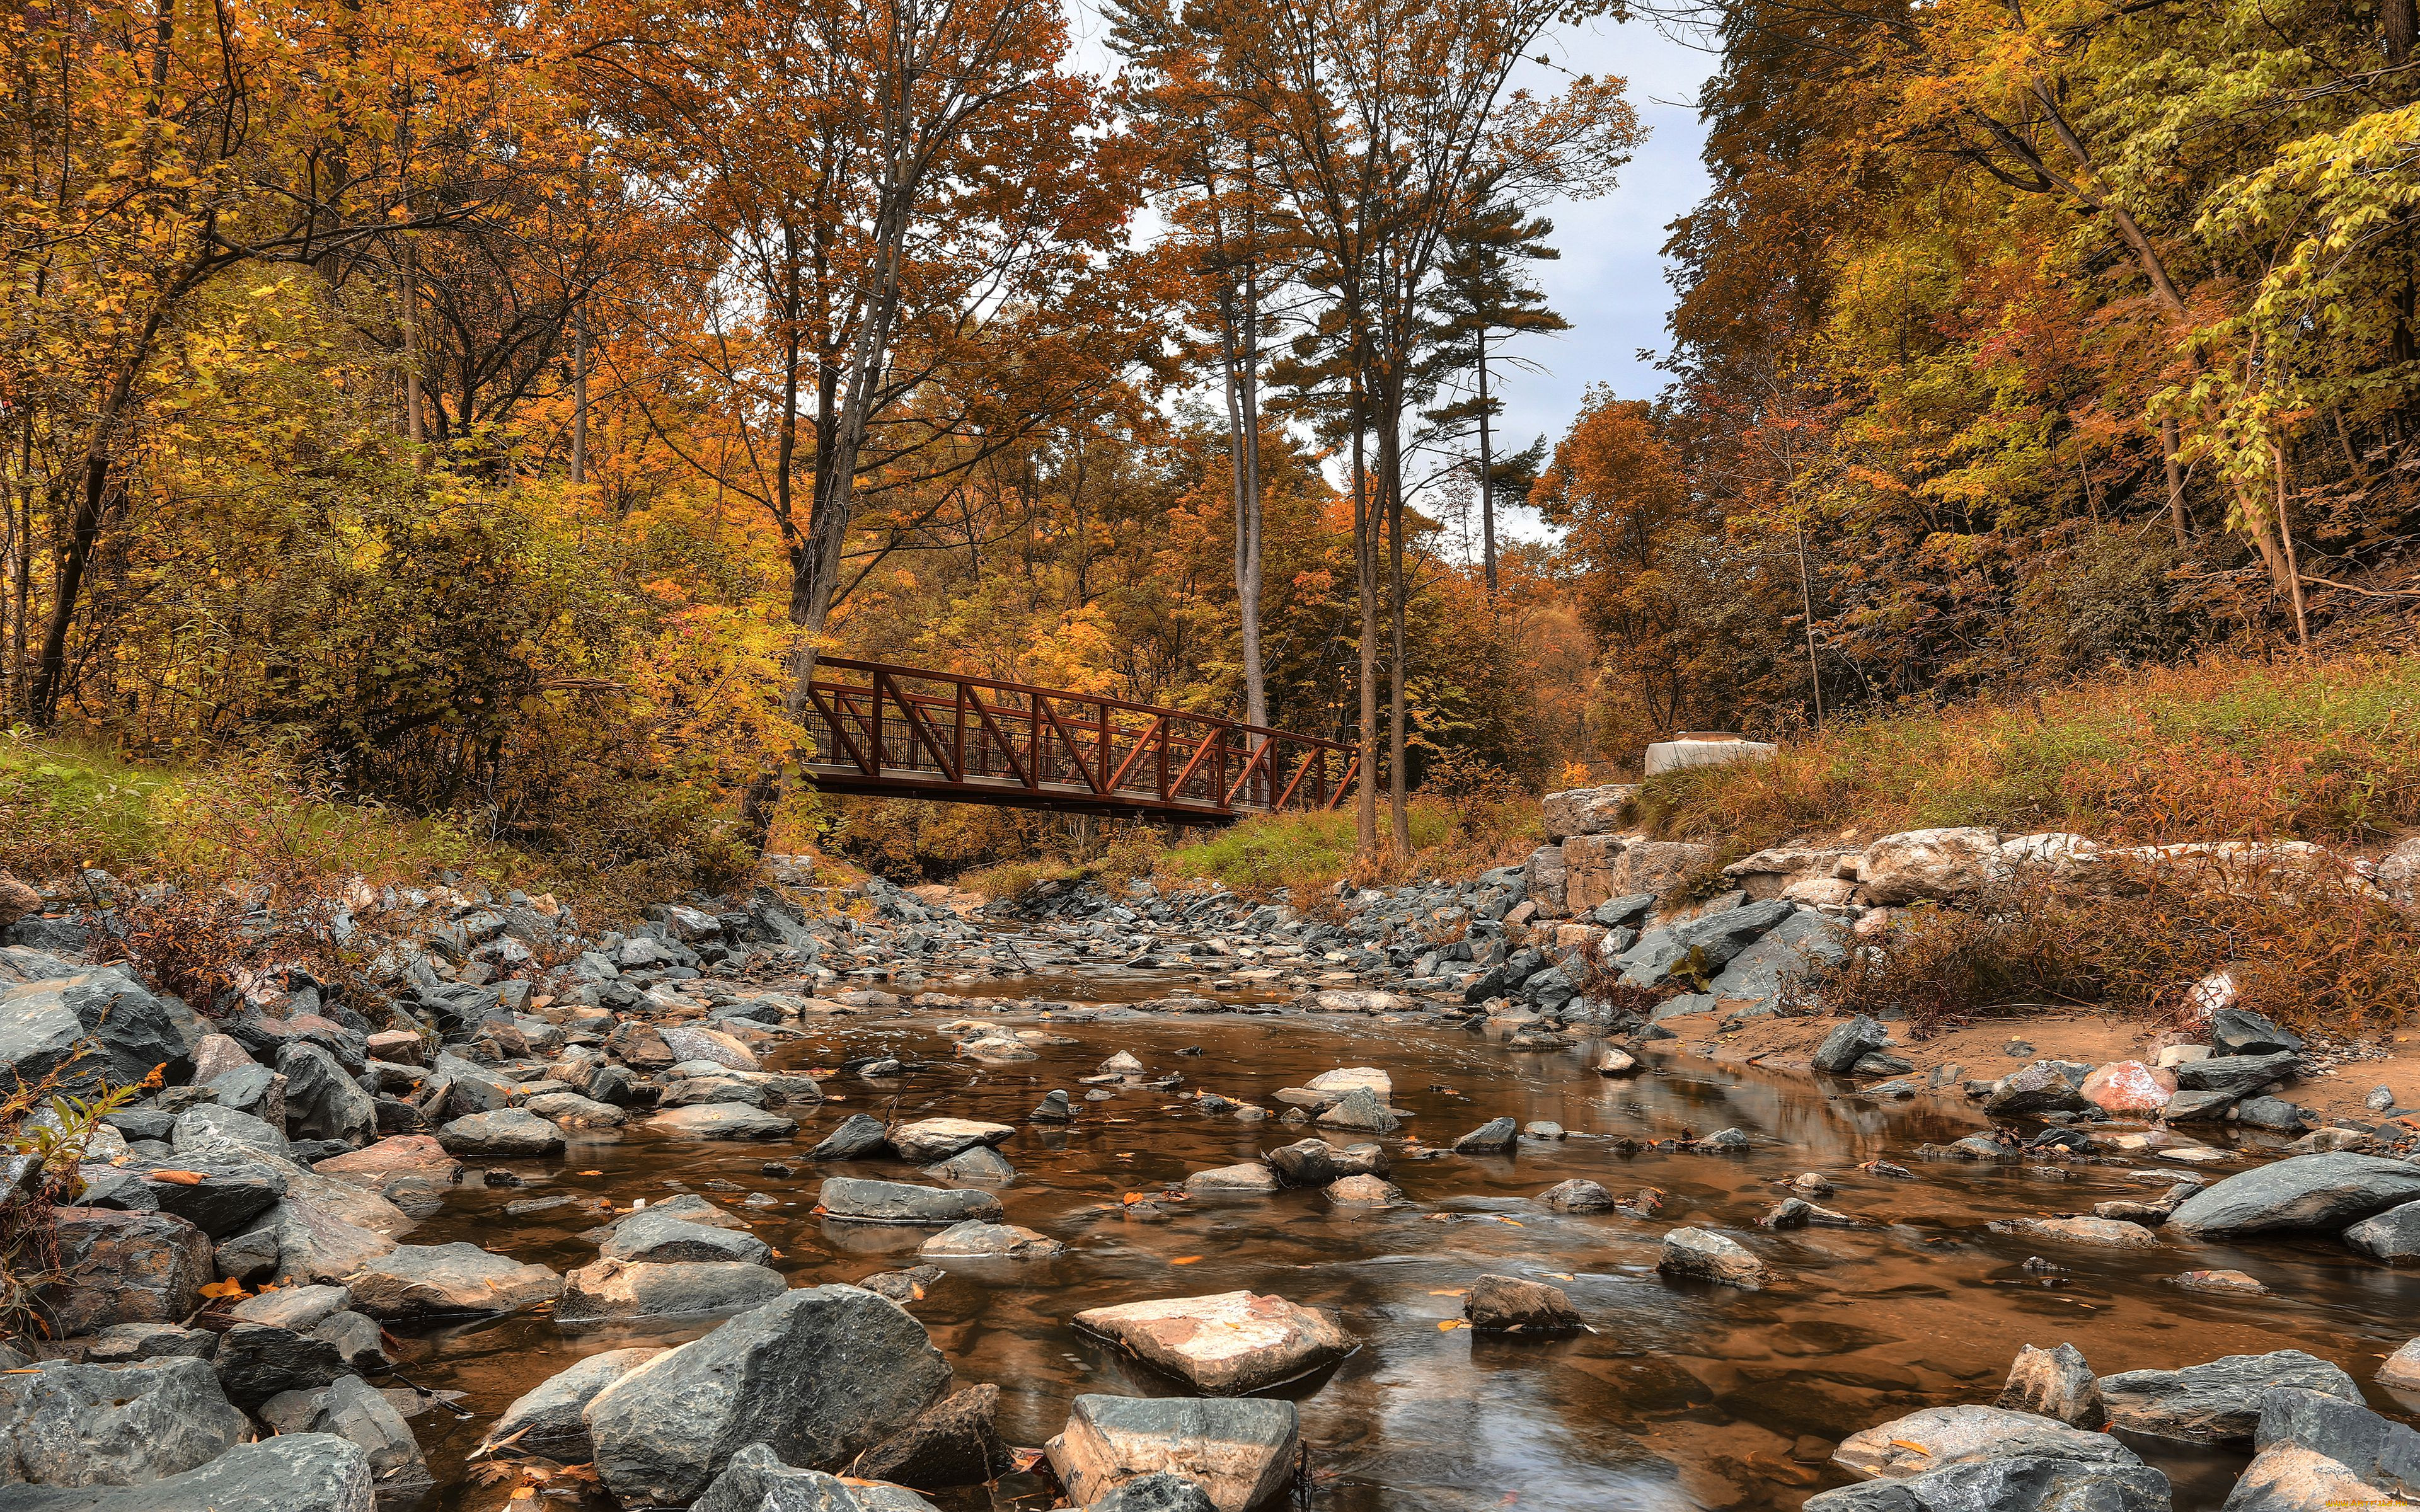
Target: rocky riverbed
1018	1209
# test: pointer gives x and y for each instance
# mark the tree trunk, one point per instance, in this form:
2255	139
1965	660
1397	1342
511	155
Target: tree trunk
2178	523
1247	586
1365	575
1486	475
579	398
1391	485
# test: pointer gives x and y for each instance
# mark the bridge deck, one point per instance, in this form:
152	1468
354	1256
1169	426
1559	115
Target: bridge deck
891	732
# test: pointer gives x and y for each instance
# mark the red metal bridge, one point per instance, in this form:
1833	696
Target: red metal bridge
891	732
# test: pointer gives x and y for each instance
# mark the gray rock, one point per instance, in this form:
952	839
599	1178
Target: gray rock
2218	1402
548	1420
125	1268
2240	1031
353	1409
953	1443
899	1202
816	1375
1950	1435
1360	1111
2239	1074
357	1339
757	1481
2045	1087
1711	1257
2286	1477
461	1280
503	1133
1166	1492
2392	1236
1225	1345
2055	1384
232	1192
657	1237
980	1165
2302	1193
1509	1304
1849	1043
127	1343
615	1291
1240	1452
2027	1484
2272	1112
322	1101
1497	1136
300	1308
858	1136
308	1244
938	1139
570	1110
257	1361
1576	1195
2377	1451
90	1425
2199	1107
1317	1163
94	1027
292	1473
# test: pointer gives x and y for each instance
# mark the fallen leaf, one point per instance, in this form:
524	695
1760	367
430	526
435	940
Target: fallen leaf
1455	1291
1446	1325
1905	1444
180	1178
229	1288
1185	1259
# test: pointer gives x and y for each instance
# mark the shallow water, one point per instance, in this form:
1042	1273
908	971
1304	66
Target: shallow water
1683	1395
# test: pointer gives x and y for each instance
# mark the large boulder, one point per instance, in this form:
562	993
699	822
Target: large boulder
2045	1087
614	1291
1239	1452
2129	1088
1546	880
2218	1402
461	1280
1226	1345
900	1202
2304	1192
259	1360
125	1268
95	1027
816	1375
2032	1483
2372	1451
1937	1435
2239	1074
218	1193
87	1425
292	1473
1584	810
309	1244
549	1419
1928	863
353	1409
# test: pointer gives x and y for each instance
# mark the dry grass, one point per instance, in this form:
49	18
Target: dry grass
2310	956
2221	749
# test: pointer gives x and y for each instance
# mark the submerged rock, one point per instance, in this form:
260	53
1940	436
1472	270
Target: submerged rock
1711	1257
2218	1402
899	1202
1510	1303
614	1291
1937	1435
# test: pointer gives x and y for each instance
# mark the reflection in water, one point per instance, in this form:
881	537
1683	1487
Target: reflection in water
1683	1395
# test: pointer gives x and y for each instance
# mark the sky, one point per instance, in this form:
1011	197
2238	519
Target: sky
1609	281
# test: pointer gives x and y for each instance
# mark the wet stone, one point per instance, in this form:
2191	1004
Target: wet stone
1225	1345
1576	1195
1511	1304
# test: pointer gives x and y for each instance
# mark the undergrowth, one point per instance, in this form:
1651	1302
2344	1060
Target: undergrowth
2308	955
2219	749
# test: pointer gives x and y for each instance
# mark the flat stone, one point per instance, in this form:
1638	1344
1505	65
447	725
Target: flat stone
504	1133
615	1291
1510	1304
816	1375
2240	1031
2402	1368
1377	1081
722	1121
569	1110
2234	1282
2218	1402
412	1171
1705	1256
1948	1435
1363	1191
416	1281
2304	1192
1225	1345
301	1308
548	1420
932	1139
690	1041
1240	1453
2239	1074
899	1202
986	1241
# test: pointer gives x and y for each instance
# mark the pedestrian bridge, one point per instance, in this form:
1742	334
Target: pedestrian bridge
889	732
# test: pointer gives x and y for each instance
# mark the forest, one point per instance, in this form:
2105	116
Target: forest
492	411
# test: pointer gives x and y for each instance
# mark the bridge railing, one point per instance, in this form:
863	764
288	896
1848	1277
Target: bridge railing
883	729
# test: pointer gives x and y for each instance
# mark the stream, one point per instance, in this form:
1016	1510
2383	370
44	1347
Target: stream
1682	1396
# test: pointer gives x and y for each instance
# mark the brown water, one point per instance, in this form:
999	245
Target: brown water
1683	1395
